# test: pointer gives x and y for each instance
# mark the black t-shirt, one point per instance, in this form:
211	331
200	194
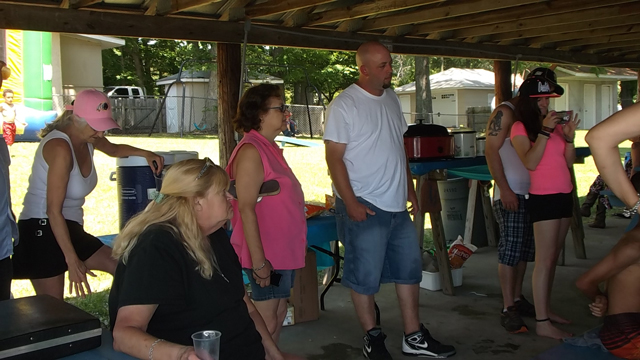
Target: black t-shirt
160	271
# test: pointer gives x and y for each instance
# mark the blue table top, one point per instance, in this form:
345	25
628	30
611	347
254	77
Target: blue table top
422	168
104	352
475	168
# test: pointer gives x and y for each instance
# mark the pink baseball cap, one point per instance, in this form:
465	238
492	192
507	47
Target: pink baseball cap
94	106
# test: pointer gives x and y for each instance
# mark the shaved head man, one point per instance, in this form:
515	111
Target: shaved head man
372	182
374	64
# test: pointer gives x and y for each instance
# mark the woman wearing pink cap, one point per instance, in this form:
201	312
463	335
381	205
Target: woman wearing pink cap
52	237
545	146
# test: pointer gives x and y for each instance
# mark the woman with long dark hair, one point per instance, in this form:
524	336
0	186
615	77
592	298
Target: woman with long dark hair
545	146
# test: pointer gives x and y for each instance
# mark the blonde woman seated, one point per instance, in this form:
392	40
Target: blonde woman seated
178	274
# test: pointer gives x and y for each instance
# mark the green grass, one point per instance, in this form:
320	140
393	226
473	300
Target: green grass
101	207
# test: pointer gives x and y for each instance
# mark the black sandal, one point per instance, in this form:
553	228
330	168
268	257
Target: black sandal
543	320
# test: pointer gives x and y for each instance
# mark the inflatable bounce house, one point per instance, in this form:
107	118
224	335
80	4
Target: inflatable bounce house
28	55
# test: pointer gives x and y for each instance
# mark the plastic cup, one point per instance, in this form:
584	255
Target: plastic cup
207	344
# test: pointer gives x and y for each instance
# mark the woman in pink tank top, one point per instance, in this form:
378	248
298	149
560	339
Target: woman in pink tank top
546	149
269	231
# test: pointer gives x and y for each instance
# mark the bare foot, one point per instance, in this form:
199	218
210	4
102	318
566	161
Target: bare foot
557	319
545	328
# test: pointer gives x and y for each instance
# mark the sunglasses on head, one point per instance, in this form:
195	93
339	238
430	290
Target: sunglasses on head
282	108
207	164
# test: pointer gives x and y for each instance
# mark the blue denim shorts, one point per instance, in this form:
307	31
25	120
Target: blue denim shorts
283	291
381	249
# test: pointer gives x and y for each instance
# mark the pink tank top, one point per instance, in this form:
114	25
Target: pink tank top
281	218
552	175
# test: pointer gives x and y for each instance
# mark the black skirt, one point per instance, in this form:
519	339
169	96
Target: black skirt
549	207
38	255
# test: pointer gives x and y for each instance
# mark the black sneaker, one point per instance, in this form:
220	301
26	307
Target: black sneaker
420	343
374	347
512	321
525	308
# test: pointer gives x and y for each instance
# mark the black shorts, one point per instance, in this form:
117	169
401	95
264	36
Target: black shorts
549	207
38	255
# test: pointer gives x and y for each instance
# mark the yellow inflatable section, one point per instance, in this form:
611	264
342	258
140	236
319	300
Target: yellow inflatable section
15	63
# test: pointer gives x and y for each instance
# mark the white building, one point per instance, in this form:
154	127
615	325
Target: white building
452	92
592	94
198	107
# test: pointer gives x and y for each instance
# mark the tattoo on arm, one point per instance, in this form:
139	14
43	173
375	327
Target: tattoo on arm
496	125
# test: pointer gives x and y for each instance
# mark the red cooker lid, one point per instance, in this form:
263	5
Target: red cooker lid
426	130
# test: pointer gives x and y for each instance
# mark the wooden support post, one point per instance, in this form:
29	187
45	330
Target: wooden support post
439	241
229	70
471	212
577	231
418	219
489	219
502	71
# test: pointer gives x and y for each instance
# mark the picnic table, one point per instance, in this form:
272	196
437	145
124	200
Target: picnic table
429	172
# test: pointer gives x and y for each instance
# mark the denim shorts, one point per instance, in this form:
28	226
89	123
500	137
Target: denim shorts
282	291
381	249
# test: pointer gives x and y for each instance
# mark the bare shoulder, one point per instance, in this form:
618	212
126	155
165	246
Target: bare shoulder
57	154
248	152
56	147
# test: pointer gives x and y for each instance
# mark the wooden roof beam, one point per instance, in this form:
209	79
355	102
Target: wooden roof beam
566	19
610	45
364	10
296	18
76	4
441	11
502	15
280	6
233	10
152	6
100	23
168	7
601	27
635	35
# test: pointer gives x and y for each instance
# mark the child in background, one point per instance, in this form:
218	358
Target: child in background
8	110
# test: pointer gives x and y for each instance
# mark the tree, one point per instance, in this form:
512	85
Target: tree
304	70
143	61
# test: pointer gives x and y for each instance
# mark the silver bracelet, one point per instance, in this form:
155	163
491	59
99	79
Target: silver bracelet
634	209
261	266
152	346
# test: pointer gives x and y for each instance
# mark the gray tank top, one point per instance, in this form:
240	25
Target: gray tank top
514	170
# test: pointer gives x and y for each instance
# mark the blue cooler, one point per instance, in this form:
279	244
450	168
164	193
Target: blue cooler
136	186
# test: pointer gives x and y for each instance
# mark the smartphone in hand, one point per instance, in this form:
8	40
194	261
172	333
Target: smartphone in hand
565	116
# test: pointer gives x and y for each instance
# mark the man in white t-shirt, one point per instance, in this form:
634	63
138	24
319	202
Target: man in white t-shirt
371	178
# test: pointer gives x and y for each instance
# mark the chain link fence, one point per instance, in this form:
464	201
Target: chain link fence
308	123
148	114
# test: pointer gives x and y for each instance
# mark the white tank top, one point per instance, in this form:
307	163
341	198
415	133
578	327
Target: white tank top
35	201
514	170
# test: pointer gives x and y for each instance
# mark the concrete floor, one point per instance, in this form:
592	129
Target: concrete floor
469	320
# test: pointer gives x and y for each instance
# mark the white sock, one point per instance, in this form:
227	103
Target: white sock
516	299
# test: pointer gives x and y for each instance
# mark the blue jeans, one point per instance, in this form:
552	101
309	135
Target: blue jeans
381	249
282	291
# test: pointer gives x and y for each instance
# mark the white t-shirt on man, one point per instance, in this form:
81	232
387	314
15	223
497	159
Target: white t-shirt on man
373	128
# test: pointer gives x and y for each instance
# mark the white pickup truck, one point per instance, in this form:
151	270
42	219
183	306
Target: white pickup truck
123	92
